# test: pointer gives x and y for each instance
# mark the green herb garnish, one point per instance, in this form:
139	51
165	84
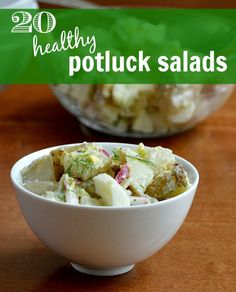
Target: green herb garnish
141	160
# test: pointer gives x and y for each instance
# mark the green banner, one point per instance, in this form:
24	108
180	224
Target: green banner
107	46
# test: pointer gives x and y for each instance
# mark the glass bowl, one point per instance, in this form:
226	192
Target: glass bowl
131	110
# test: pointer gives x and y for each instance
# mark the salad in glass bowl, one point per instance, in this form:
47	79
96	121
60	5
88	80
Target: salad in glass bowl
142	110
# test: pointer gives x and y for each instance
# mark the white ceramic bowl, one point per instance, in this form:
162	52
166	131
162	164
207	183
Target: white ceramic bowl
103	240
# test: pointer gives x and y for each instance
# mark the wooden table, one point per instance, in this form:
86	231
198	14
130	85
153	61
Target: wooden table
144	3
201	257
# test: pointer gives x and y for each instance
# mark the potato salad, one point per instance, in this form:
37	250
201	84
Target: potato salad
87	174
125	108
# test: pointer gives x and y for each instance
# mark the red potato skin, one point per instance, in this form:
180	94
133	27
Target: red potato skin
103	151
122	174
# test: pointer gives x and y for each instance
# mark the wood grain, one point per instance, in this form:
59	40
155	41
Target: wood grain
201	257
171	3
160	3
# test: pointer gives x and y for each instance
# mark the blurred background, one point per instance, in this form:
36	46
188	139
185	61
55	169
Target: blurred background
200	258
124	110
94	3
163	3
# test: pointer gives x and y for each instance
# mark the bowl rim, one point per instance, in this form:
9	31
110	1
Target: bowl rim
16	169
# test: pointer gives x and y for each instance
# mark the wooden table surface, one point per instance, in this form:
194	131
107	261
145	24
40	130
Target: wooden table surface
201	257
145	3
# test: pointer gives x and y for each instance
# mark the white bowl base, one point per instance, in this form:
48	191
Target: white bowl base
103	271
